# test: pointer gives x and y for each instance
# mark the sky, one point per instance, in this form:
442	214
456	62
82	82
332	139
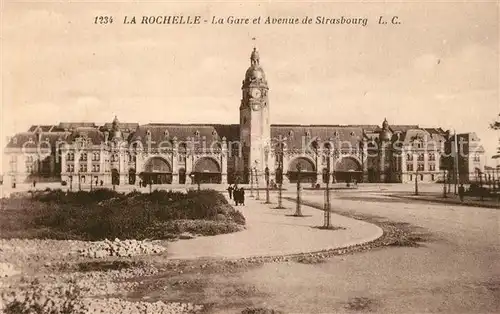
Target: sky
438	68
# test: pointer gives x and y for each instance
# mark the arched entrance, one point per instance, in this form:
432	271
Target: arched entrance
348	169
157	171
307	172
131	176
182	176
115	177
208	170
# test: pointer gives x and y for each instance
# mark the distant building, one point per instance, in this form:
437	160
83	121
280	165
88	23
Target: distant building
129	153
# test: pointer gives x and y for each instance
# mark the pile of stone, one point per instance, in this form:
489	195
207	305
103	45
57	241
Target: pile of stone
7	270
66	298
113	305
125	248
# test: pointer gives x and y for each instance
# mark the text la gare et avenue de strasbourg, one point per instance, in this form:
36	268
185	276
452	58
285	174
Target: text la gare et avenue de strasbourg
233	20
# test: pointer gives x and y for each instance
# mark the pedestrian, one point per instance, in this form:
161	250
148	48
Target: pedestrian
242	196
230	191
236	195
101	182
34	183
461	192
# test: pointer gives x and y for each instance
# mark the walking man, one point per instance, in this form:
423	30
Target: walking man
461	192
230	191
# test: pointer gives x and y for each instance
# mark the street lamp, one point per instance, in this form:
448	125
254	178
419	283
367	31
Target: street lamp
266	173
416	182
279	180
444	183
195	178
251	182
298	209
257	179
71	183
327	216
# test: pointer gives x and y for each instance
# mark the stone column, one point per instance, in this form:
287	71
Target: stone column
175	161
382	162
223	160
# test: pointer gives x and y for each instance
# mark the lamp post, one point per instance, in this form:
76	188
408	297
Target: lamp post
279	180
416	182
257	179
298	209
266	173
71	183
195	178
444	184
327	216
251	182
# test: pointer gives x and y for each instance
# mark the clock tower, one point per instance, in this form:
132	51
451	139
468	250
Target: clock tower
255	129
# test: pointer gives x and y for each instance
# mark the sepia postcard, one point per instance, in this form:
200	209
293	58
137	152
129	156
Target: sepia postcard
252	157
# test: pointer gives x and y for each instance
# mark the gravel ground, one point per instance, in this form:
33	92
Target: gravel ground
60	276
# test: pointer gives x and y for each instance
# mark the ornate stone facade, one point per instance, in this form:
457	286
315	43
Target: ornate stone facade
129	153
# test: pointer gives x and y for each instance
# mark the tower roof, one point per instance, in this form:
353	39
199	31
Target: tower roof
255	73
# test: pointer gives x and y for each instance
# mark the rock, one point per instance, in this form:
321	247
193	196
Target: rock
186	236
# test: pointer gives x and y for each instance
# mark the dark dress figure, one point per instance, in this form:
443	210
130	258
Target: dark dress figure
242	196
34	183
236	196
230	191
461	192
101	182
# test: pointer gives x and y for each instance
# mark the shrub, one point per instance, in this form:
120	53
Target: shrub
101	214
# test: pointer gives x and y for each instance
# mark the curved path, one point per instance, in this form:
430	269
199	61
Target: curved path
271	232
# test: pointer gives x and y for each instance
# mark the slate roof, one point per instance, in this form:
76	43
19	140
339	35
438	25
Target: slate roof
96	137
74	125
296	135
44	128
123	126
23	139
164	132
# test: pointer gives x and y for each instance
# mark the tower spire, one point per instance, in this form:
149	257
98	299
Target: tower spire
254	57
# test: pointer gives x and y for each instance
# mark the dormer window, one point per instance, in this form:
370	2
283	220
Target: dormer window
214	133
352	134
30	140
166	133
14	140
197	133
308	134
336	134
148	133
290	134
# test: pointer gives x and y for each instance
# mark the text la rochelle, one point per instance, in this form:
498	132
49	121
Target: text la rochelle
163	19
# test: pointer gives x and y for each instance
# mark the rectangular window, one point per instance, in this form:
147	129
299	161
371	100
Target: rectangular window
83	168
409	167
420	167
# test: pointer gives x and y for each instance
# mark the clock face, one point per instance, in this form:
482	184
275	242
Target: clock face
255	107
256	93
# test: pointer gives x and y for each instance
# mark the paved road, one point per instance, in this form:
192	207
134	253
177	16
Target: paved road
458	272
271	232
